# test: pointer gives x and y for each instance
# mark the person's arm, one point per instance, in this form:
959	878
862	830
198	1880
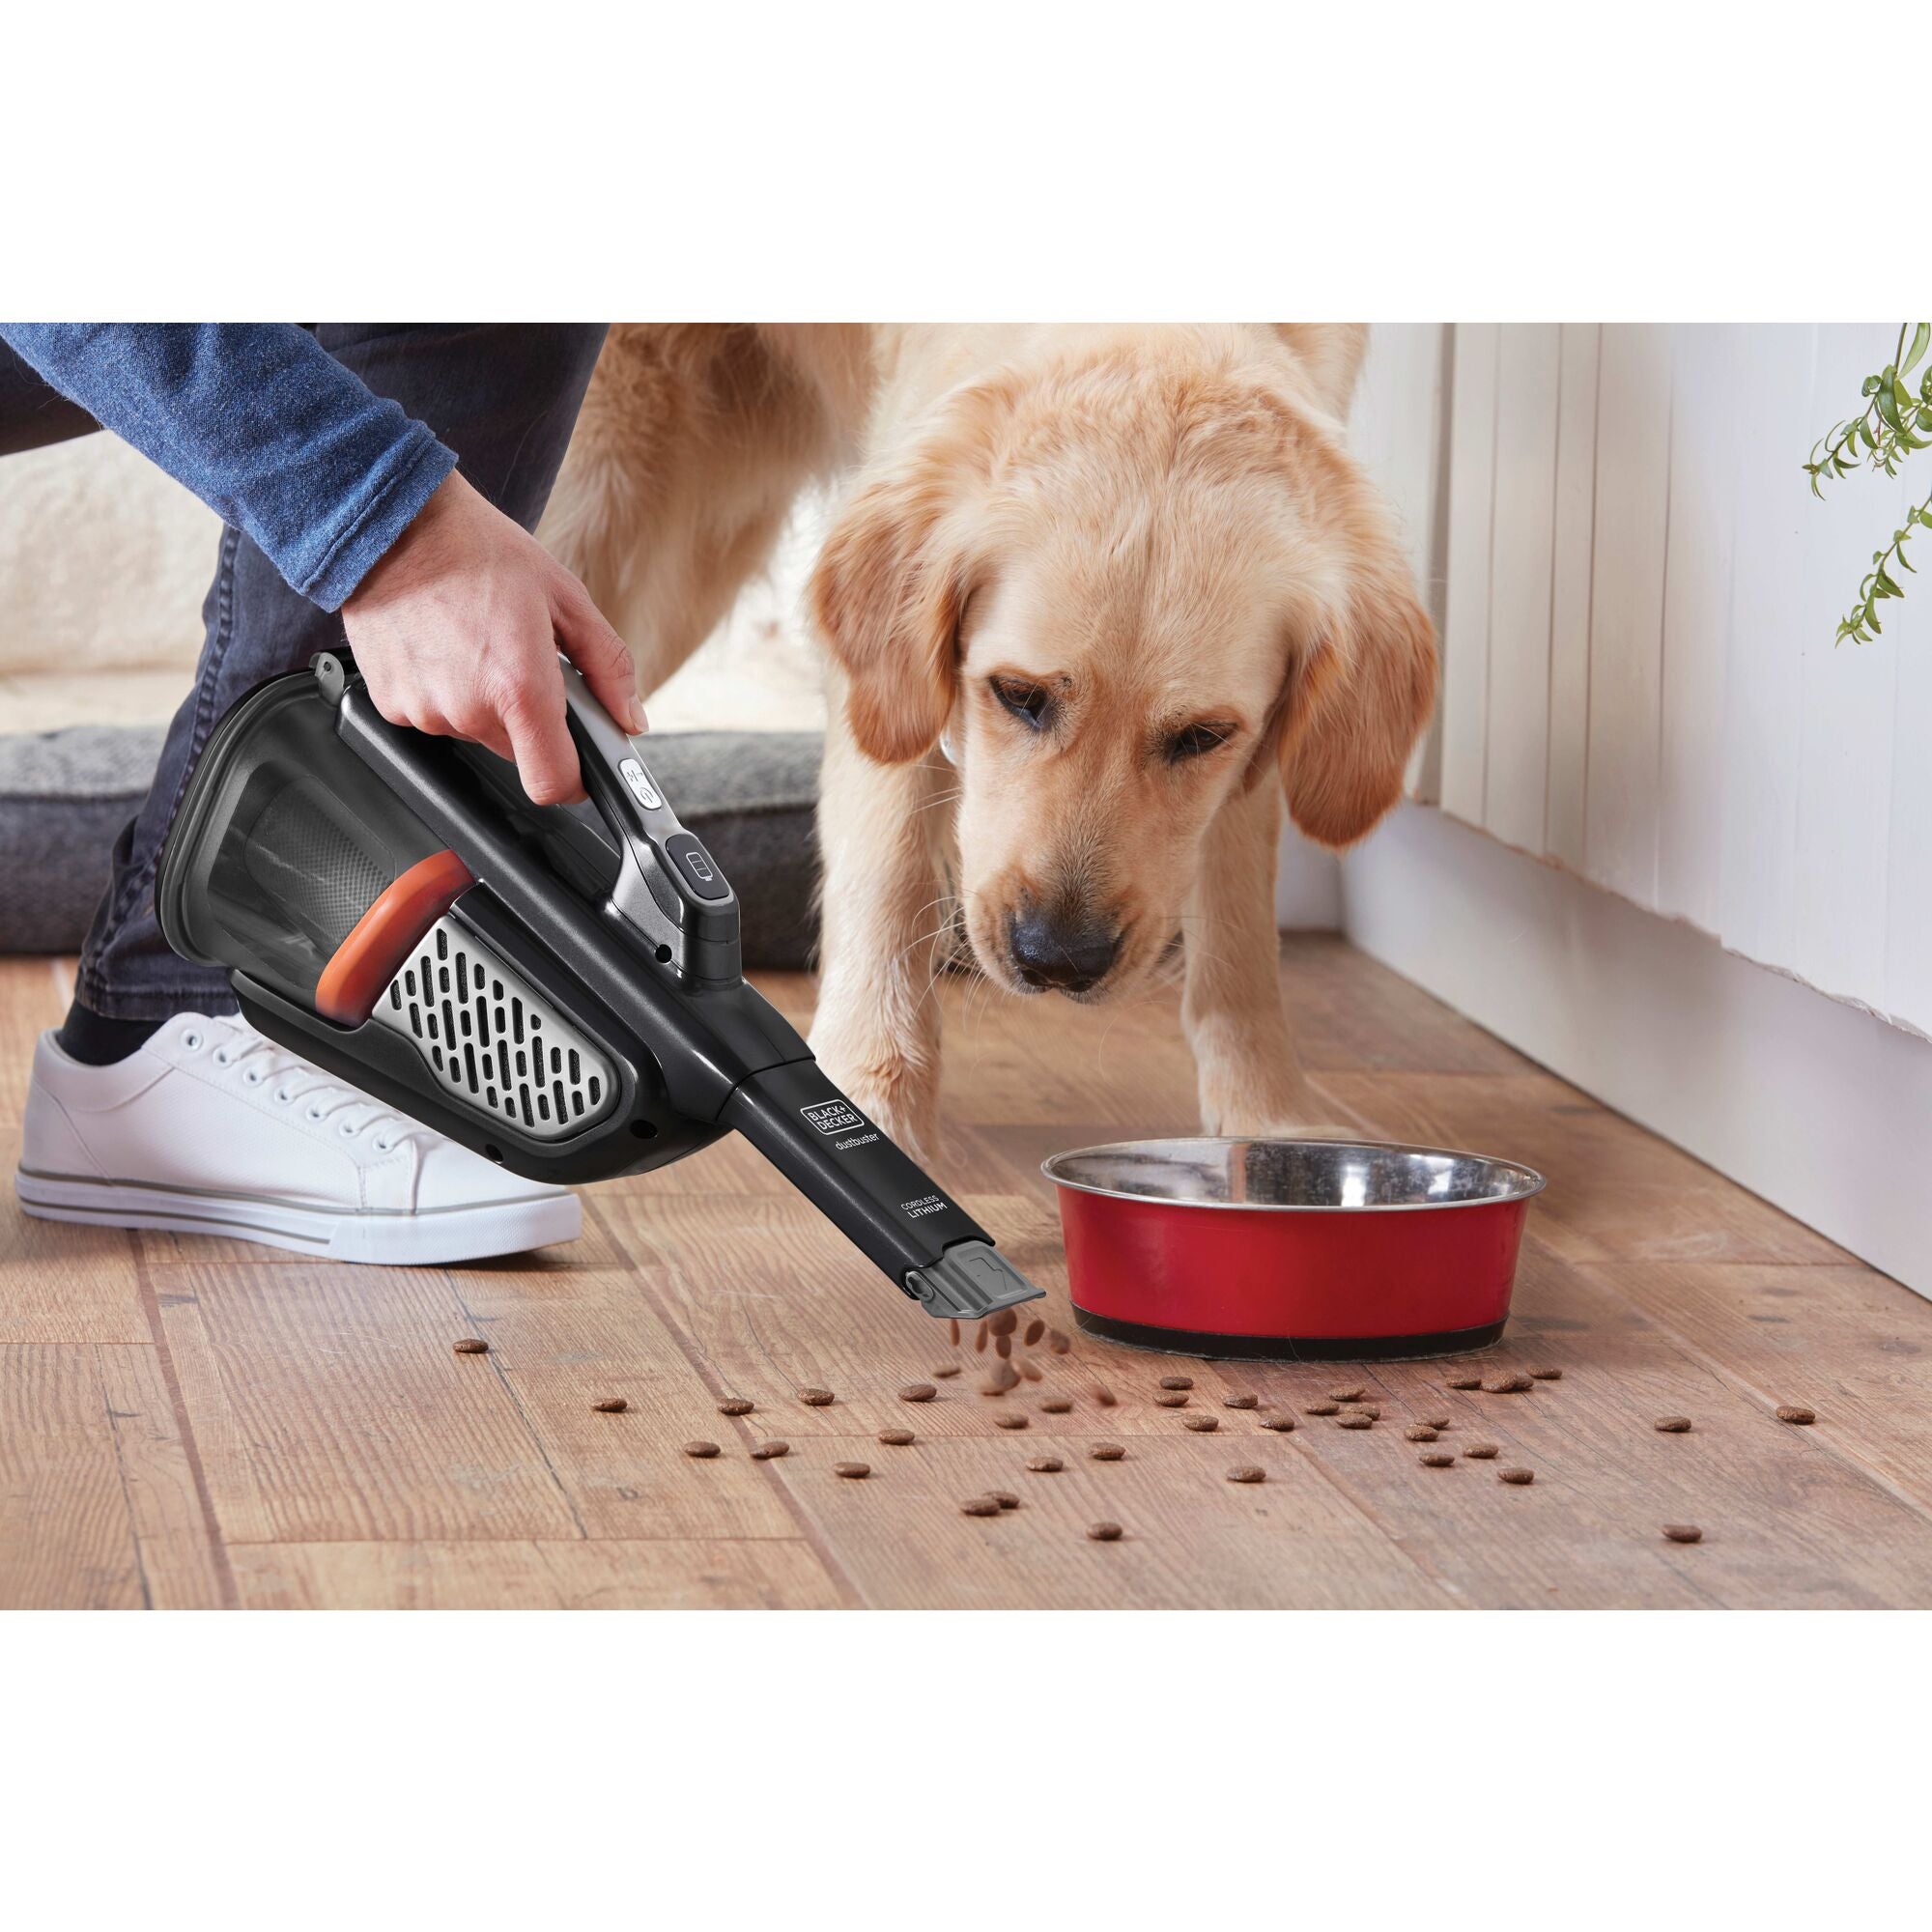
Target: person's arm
263	425
454	612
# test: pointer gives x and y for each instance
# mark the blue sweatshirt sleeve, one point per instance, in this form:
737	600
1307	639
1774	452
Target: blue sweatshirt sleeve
263	425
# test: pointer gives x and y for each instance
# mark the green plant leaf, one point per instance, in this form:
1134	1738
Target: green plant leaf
1886	400
1920	337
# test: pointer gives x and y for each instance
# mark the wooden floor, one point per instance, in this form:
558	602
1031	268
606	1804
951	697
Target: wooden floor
192	1423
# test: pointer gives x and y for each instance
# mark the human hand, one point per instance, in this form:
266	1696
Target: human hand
456	632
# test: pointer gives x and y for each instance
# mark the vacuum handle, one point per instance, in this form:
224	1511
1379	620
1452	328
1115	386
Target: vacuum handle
670	889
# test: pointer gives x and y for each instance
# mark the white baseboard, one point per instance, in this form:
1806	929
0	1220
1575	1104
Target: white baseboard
1307	886
1817	1106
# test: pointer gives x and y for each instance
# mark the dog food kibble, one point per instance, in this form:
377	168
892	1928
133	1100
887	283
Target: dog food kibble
1517	1477
1104	1396
1465	1381
946	1369
614	1405
1322	1408
702	1451
1792	1412
1548	1375
1004	1321
1045	1465
734	1406
1170	1399
1240	1402
1282	1425
816	1398
897	1439
1513	1383
853	1471
1005	1498
1420	1432
1055	1405
1372	1409
999	1379
1353	1393
1003	1346
1436	1421
1683	1532
1201	1424
1032	1370
1060	1344
980	1339
1106	1452
1176	1381
979	1506
1482	1452
471	1345
1012	1419
1437	1458
953	1330
1355	1419
1672	1425
1247	1473
918	1392
1103	1532
1035	1330
770	1452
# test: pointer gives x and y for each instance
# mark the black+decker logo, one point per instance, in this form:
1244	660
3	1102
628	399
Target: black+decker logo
834	1116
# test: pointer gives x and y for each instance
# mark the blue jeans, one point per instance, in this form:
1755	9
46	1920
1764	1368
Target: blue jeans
504	397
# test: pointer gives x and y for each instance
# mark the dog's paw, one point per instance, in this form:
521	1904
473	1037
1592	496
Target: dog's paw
1297	1116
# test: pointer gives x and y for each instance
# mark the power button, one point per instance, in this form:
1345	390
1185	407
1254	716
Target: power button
695	864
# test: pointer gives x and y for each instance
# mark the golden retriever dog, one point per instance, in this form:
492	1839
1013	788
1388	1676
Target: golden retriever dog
1098	601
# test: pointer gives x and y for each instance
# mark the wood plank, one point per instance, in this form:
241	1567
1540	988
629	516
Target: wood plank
1627	610
183	1565
659	1574
1708	399
1615	1192
63	1283
1465	705
1573	544
1784	1524
1848	701
565	1341
1763	714
1527	407
1847	1341
327	1406
66	1538
1193	1541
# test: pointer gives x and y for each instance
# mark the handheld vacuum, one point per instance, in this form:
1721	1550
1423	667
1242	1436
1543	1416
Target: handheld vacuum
559	990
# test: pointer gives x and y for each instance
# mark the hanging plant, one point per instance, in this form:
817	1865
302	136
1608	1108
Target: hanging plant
1895	422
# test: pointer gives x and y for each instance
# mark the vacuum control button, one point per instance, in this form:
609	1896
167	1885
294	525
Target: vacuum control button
700	874
642	788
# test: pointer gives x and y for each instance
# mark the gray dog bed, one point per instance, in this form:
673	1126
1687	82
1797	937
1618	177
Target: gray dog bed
65	796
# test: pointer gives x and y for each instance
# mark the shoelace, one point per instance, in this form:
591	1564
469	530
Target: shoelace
324	1098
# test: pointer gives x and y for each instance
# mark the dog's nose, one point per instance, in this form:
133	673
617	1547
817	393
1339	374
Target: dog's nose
1073	954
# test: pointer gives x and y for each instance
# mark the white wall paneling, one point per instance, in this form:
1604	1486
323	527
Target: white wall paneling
1640	679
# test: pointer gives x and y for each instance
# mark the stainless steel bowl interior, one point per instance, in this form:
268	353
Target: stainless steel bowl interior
1332	1177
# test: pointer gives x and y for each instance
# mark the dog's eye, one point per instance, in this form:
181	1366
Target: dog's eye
1197	741
1030	703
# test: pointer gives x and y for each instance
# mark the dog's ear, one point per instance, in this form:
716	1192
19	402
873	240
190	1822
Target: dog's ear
1359	695
1330	354
889	590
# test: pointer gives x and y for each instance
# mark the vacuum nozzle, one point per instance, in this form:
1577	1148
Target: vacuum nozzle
969	1282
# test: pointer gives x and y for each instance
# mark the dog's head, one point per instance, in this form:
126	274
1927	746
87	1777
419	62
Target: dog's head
1124	583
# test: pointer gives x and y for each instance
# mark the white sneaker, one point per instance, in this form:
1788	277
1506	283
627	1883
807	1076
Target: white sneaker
209	1128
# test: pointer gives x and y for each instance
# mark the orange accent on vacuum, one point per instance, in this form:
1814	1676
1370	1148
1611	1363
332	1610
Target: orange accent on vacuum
385	936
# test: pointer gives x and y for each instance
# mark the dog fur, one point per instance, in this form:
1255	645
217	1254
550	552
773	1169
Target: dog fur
1096	602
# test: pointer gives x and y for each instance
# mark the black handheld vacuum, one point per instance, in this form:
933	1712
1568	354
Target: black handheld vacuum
559	990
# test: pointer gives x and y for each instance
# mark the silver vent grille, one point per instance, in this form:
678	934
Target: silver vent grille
491	1041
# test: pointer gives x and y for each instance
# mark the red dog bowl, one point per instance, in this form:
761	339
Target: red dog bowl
1305	1250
